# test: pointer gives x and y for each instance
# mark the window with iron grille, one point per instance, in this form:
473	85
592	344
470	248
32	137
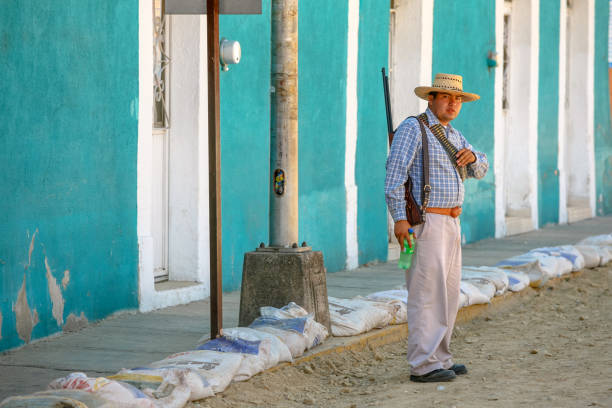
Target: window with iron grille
161	63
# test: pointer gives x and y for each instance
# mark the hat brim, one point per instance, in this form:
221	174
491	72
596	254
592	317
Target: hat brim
424	91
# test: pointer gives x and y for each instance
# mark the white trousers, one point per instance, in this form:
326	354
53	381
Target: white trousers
433	293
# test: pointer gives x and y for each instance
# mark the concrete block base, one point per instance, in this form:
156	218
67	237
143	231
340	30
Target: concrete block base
277	278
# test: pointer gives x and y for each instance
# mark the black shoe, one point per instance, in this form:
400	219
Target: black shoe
434	376
459	369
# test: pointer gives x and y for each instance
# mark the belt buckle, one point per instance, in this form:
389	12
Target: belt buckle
455	212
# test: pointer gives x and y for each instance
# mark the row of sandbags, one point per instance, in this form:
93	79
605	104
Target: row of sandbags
278	335
350	317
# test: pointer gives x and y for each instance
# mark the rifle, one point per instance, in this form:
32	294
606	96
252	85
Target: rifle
390	130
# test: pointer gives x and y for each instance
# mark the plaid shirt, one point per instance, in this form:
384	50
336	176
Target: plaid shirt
405	158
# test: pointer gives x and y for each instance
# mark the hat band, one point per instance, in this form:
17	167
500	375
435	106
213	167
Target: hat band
452	88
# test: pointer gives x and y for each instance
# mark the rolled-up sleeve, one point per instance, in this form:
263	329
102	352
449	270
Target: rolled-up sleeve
402	153
479	168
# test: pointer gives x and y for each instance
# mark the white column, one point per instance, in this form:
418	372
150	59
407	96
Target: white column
561	121
499	127
144	156
352	244
590	86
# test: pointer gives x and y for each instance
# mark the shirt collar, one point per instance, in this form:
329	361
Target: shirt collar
433	119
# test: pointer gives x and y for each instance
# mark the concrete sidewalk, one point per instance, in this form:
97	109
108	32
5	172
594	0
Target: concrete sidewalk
134	339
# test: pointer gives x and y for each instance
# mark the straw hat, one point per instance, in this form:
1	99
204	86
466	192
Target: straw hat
447	83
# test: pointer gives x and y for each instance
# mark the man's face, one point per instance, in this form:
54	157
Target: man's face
445	106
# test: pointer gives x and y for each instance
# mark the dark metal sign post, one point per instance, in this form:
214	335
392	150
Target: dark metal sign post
212	8
214	169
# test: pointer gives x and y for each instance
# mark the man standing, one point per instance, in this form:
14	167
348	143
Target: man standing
433	279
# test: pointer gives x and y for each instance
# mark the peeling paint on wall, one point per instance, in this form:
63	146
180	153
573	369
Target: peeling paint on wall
66	279
56	295
26	320
0	325
31	249
75	323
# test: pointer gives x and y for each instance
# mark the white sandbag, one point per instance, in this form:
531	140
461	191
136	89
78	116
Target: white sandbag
174	389
606	255
294	340
591	255
495	275
539	267
566	251
473	294
463	300
121	394
396	298
350	317
256	354
485	286
517	280
599	240
216	368
296	318
277	351
58	398
286	312
170	381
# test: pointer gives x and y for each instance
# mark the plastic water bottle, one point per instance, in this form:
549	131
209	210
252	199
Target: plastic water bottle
405	259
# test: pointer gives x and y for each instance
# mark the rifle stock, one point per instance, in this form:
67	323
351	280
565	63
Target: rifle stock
390	130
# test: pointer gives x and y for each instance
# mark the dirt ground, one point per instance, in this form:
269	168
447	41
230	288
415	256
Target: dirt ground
550	347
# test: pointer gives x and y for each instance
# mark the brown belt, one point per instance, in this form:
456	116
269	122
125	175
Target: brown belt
451	212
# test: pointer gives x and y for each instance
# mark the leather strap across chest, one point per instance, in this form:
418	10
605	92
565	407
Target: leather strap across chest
438	131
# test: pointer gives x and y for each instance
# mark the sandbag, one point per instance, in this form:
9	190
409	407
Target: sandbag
58	398
175	383
172	390
397	299
566	251
216	368
473	294
517	280
350	317
463	300
276	352
294	340
256	354
494	275
113	391
304	323
538	266
606	255
591	255
599	240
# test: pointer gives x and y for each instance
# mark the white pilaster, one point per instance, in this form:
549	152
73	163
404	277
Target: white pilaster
499	126
352	244
561	121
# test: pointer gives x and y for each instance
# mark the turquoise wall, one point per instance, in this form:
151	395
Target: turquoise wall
69	101
322	128
371	140
548	113
603	131
462	38
245	142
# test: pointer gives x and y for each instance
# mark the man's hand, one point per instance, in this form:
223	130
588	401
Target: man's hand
465	157
401	233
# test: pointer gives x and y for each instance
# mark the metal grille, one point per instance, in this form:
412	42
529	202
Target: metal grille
161	63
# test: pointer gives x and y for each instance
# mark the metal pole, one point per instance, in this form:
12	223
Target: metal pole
214	166
284	137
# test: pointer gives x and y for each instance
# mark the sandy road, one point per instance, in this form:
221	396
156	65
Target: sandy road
544	348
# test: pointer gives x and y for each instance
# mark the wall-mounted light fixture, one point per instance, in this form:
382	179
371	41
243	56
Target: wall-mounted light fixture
229	53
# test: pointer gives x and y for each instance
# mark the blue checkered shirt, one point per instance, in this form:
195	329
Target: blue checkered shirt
405	158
